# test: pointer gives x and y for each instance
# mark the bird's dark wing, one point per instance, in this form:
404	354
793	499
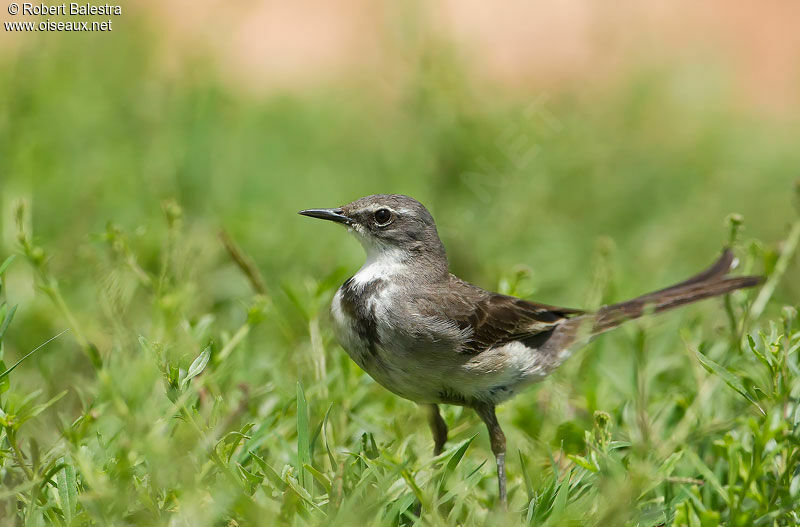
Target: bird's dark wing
491	319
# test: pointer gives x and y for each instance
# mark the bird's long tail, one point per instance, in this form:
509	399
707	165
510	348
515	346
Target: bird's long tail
711	282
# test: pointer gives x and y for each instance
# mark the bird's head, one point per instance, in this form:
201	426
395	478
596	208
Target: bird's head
388	223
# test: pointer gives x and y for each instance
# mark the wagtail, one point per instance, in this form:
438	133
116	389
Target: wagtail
428	336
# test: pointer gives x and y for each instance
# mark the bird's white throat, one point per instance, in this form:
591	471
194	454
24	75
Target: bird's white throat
382	263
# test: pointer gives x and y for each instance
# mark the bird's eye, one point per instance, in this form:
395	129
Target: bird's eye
383	216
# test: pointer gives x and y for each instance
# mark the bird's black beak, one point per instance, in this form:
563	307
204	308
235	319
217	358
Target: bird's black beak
336	215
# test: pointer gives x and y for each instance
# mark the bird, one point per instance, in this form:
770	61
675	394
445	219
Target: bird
430	337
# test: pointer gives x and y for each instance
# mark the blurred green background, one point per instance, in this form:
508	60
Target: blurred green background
572	193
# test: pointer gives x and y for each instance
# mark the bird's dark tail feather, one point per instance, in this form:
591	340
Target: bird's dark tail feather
711	282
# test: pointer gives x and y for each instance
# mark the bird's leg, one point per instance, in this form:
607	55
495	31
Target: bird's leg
498	442
438	428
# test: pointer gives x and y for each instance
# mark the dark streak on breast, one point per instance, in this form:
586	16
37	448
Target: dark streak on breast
355	304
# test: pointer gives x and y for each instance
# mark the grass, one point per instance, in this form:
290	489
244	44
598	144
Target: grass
188	392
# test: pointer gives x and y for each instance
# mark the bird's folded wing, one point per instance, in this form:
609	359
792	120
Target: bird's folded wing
491	319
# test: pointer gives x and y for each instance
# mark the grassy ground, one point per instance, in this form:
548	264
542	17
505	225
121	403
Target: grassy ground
183	396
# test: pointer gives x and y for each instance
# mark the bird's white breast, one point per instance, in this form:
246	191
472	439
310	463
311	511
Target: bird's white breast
380	267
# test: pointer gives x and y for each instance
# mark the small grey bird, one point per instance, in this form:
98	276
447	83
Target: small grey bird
430	337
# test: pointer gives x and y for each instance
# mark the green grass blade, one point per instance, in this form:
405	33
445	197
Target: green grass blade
257	438
269	472
729	378
526	475
669	464
788	250
7	321
416	490
5	383
331	457
708	475
319	476
454	460
303	437
760	356
39	408
560	501
6	263
67	491
37	348
197	366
